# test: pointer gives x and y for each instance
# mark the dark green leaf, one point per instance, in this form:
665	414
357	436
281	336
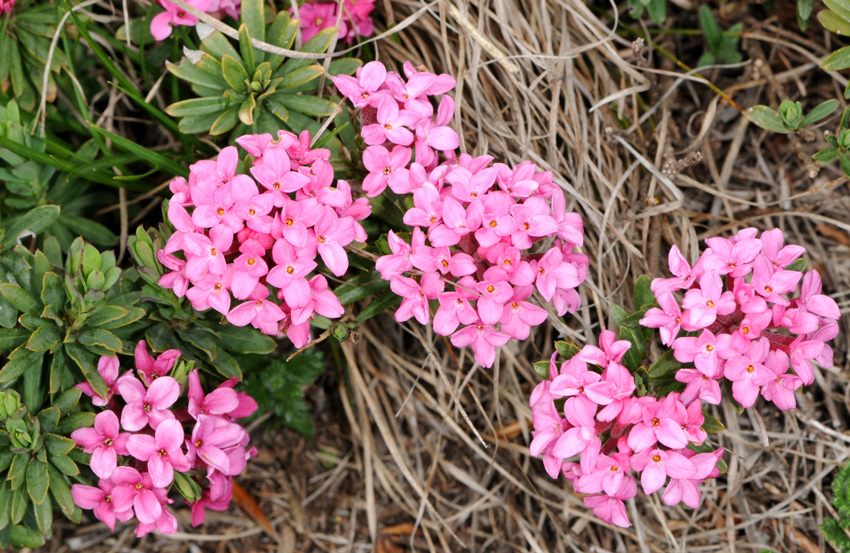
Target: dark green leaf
198	107
49	419
20	298
838	60
61	492
65	465
37	481
73	422
767	118
10	338
245	340
820	111
15	368
542	369
826	156
92	231
100	338
36	221
5	504
308	105
643	293
384	301
712	425
20	501
44	338
566	349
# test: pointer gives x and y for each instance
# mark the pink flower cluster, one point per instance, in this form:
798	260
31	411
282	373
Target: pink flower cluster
240	239
163	23
317	16
6	6
652	437
754	326
485	230
155	445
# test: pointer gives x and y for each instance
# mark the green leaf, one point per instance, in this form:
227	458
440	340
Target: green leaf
840	7
308	105
61	492
633	355
44	338
234	74
344	66
67	400
225	122
657	10
74	422
301	76
36	220
253	17
838	60
15	368
100	338
826	156
65	465
19	504
542	369
831	21
58	445
712	425
618	314
44	520
53	290
665	366
246	110
316	45
154	159
226	364
37	481
90	230
844	160
819	112
643	293
5	504
245	340
10	338
359	287
107	314
710	29
384	301
198	107
187	487
246	50
187	71
767	118
566	349
798	265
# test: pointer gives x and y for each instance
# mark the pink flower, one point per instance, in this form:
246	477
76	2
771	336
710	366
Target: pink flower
107	368
655	465
661	421
393	125
204	502
360	89
385	168
151	406
668	319
747	372
611	509
780	390
259	312
734	259
136	490
581	438
612	351
150	369
416	296
210	438
161	24
681	268
333	234
162	452
706	302
104	442
518	316
220	401
484	340
100	500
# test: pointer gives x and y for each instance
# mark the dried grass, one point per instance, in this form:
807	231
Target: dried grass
399	468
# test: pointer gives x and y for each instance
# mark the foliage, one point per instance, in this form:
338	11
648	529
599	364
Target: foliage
214	345
722	46
837	19
835	530
839	145
36	458
277	386
250	90
30	183
789	117
25	35
657	9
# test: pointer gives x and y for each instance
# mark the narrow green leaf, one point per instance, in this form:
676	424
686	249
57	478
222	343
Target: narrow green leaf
826	156
36	220
237	340
92	231
666	365
15	368
74	422
154	159
217	45
44	338
61	492
37	481
820	111
840	7
308	105
384	301
838	60
234	74
225	122
10	338
100	338
44	520
19	504
566	349
253	17
712	425
194	107
246	50
65	465
187	71
5	504
542	369
301	76
316	45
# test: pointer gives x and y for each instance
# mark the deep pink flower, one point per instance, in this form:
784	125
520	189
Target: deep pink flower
221	401
104	442
661	421
107	368
162	452
151	406
655	465
703	304
484	340
100	500
747	372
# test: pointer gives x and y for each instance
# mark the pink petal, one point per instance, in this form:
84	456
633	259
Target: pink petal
163	392
147	507
142	446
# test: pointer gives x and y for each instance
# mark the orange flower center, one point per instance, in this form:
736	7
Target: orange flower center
290	269
490	288
163	453
321	239
139	485
289	222
251	261
709	347
750	368
656	458
768	289
388	170
198	443
107	442
220	212
745	330
709	303
493	224
445	263
251	212
388	127
655	422
214	251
